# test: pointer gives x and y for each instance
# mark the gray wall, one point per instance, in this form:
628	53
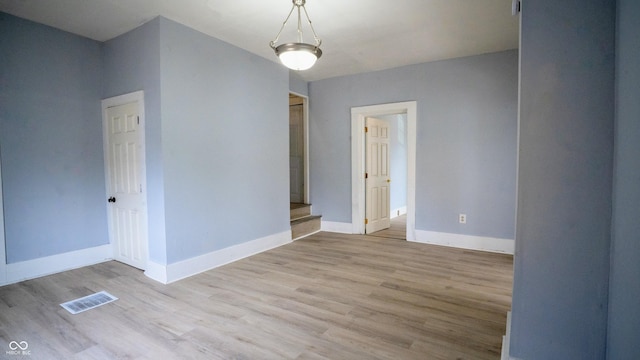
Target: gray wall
624	287
131	63
216	138
466	140
50	136
225	143
297	84
564	181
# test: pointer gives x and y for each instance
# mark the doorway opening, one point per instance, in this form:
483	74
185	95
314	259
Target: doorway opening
298	149
386	209
123	126
358	161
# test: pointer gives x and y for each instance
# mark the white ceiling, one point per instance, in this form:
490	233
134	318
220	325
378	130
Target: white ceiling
357	35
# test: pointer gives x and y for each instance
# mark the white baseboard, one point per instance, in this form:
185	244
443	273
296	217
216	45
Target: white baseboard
337	227
48	265
156	272
506	246
506	339
398	212
173	272
305	235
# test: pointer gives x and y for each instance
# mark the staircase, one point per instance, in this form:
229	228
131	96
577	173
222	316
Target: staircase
302	222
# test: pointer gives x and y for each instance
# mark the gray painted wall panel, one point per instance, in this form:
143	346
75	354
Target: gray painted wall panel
131	63
297	84
50	131
225	141
564	187
466	140
624	291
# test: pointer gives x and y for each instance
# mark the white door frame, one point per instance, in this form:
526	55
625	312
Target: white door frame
3	254
358	115
138	97
305	130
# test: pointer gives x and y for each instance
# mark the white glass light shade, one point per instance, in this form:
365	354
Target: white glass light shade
298	56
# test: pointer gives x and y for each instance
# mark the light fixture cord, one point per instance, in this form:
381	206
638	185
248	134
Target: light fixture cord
273	43
315	36
299	25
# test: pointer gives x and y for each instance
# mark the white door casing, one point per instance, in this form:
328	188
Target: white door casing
123	128
377	177
358	115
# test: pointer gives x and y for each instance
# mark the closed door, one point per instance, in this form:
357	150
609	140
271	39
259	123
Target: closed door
377	175
125	189
296	154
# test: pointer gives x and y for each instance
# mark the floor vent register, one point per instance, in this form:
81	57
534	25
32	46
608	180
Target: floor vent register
88	302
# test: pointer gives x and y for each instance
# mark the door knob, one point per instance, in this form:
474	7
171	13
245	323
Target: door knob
112	199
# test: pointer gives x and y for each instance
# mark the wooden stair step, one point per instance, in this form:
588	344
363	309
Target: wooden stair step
297	211
305	226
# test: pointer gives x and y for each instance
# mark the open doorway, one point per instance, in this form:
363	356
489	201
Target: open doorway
397	170
358	161
298	149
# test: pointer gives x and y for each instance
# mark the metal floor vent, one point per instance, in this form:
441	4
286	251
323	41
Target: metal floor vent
88	302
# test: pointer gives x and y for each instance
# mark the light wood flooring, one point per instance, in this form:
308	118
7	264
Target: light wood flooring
398	229
327	296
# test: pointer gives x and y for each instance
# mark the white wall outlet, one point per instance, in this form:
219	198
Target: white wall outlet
462	218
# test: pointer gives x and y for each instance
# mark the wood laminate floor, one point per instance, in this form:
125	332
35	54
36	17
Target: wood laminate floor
327	296
397	230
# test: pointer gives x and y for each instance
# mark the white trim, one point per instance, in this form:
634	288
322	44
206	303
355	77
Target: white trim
398	212
173	272
337	227
506	341
504	354
305	130
134	97
157	272
358	115
489	244
309	234
3	255
48	265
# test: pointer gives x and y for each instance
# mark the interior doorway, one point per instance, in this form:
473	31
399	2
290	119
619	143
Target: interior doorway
125	177
377	174
358	161
298	149
393	169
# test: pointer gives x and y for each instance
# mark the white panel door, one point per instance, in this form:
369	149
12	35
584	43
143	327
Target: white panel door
126	201
377	175
296	154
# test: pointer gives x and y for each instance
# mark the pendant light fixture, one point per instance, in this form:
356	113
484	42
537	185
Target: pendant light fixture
298	55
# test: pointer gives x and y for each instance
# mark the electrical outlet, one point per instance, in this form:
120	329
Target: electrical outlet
462	218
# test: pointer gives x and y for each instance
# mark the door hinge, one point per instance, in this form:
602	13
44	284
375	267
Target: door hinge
141	188
516	7
366	221
366	129
366	175
138	120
